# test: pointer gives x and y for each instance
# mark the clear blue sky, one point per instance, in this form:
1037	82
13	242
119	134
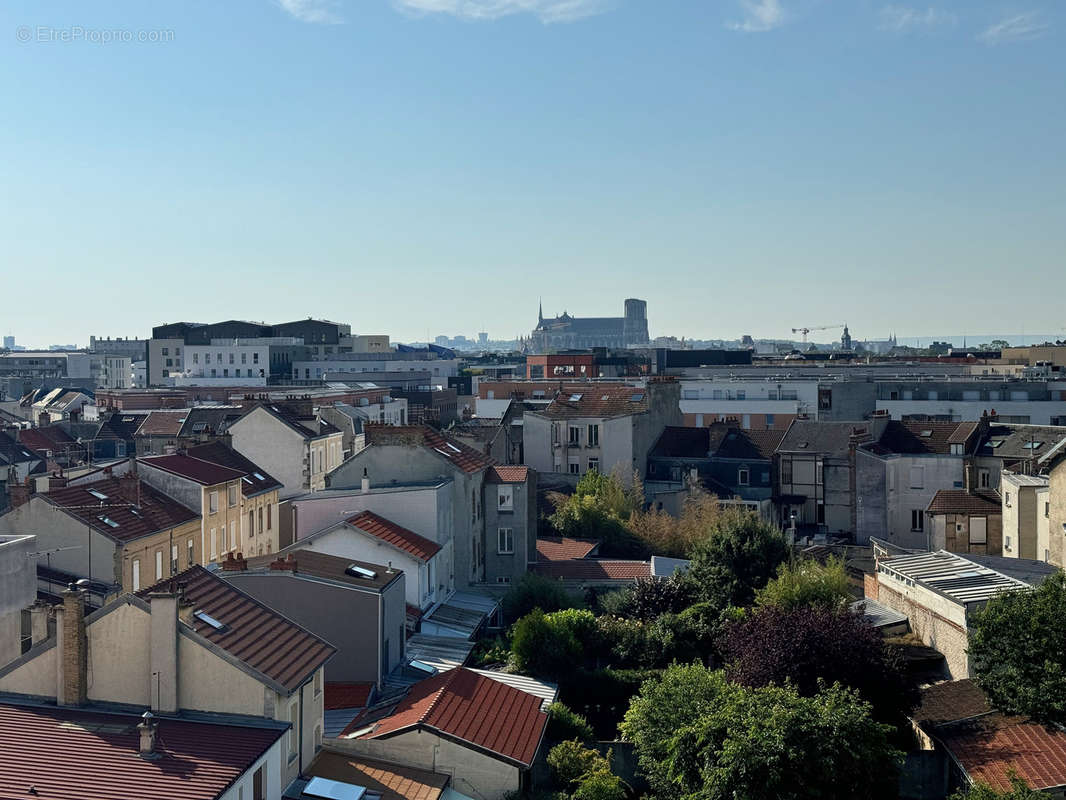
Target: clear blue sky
434	166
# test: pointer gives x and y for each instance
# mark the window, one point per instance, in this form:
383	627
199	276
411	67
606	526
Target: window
173	559
136	574
190	552
574	468
251	523
1047	510
260	519
269	524
594	436
294	731
505	495
917	478
594	465
259	787
212	502
743	477
244	358
978	530
255	358
786	470
225	541
166	351
821	513
956	449
318	738
984	477
214	545
159	565
506	541
575	435
769	420
818	473
1006	499
318	683
232	495
1006	543
917	519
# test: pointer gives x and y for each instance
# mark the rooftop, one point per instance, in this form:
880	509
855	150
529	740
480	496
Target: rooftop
464	705
597	401
313	564
205	473
990	747
114	507
951	701
387	780
259	637
562	548
68	754
925	438
162	423
593	569
826	438
396	535
511	474
960	501
254	479
464	457
951	575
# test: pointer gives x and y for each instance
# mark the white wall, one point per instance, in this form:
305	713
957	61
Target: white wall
272	760
274	446
937	473
1039	412
18	590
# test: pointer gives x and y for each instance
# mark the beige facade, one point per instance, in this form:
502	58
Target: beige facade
981	534
1043	524
151	558
1023	512
1053	354
1056	512
222	519
259	528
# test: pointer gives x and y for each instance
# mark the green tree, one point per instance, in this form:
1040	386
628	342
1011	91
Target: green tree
566	724
739	557
600	509
549	645
569	761
535	591
1020	790
807	583
698	736
600	784
1018	651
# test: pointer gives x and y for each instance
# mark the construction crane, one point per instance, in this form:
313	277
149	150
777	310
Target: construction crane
805	331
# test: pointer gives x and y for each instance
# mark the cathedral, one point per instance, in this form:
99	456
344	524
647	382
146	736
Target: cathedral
580	333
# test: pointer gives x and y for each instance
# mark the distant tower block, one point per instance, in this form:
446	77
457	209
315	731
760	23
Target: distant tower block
635	327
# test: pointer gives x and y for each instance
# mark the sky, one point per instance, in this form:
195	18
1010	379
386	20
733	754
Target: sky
425	167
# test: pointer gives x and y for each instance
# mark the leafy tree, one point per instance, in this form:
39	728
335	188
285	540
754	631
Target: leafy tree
699	736
813	646
599	509
667	535
1019	790
551	644
571	760
535	591
600	784
1018	651
649	598
737	559
807	583
566	724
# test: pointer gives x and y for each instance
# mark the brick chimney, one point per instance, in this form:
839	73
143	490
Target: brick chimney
236	563
130	487
163	655
56	480
18	493
72	649
288	563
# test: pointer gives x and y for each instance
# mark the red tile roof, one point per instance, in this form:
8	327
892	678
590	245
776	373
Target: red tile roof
133	516
465	705
499	474
989	747
347	695
959	501
464	457
50	437
377	777
254	479
254	634
69	754
206	473
396	535
593	569
561	548
597	400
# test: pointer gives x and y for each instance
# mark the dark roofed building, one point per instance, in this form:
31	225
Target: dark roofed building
255	480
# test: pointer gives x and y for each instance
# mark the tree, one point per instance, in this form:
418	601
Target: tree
699	736
566	724
599	509
1018	651
1019	790
649	598
667	535
600	784
535	591
549	645
739	557
807	583
571	760
813	646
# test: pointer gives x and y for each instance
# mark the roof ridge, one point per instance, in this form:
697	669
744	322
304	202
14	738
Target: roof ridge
446	684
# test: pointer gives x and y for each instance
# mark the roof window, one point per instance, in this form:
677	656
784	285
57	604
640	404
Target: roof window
96	494
107	520
207	619
360	572
575	398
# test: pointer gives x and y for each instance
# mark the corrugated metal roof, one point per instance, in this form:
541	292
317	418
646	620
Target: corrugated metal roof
951	575
69	754
878	615
547	692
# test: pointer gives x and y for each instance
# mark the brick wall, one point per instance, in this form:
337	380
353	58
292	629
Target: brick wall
941	634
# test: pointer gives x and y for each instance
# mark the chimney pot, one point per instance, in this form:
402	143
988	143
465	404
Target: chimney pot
148	731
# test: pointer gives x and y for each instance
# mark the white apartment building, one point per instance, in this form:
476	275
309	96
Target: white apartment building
243	362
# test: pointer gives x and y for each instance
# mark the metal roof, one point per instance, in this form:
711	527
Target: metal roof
878	615
950	575
547	692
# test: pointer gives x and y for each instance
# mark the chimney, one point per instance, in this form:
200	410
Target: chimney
18	493
288	563
72	648
39	622
131	487
185	606
236	563
365	486
56	481
163	656
149	737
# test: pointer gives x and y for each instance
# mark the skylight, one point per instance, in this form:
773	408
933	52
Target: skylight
995	443
107	520
360	732
575	397
926	434
444	453
96	494
333	790
453	447
207	619
258	476
246	479
1032	445
360	572
636	398
422	666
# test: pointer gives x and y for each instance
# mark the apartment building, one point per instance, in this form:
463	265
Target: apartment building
291	443
1026	512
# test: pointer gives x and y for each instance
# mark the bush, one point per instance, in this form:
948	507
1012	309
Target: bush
549	645
566	724
807	583
490	652
535	591
1019	790
600	784
570	761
